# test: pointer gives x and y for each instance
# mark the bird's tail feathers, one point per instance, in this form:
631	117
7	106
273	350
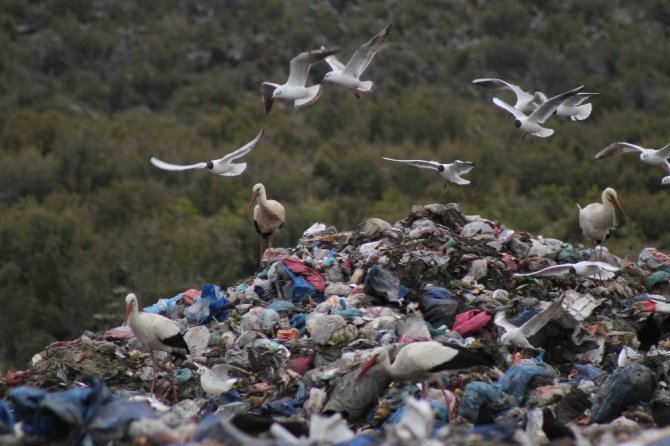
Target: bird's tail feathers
584	111
366	87
235	169
544	132
314	93
460	181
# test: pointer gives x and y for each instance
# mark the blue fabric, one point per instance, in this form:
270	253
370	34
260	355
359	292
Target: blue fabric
54	416
287	406
298	288
625	386
211	304
522	317
513	383
587	372
497	433
360	440
164	305
438	306
6	419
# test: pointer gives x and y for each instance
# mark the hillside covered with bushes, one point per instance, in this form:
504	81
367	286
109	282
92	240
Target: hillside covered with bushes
90	90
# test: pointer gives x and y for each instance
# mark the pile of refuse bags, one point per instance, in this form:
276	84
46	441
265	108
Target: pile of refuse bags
583	358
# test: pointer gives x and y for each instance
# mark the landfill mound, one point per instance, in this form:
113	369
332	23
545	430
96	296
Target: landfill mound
588	365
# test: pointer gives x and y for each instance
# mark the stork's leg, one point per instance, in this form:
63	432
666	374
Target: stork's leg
447	400
423	390
174	384
260	255
270	240
154	374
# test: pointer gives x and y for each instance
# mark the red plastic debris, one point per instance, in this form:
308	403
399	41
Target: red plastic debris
13	378
311	275
189	296
470	322
299	364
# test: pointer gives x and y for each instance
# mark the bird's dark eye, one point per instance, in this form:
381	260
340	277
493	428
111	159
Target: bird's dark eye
517	123
440	168
210	165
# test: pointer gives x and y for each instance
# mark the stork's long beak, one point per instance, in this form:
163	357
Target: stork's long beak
125	319
367	366
617	203
253	200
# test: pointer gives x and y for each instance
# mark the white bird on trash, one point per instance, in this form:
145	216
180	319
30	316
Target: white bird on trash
518	336
294	89
451	172
269	216
649	156
598	220
592	270
530	124
348	75
156	332
428	360
222	166
215	381
665	181
525	102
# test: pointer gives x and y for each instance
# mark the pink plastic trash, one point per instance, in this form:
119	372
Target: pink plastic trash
470	322
311	275
190	295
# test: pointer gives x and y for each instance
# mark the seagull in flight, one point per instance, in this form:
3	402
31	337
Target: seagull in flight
665	180
349	75
530	124
222	166
592	270
525	102
649	156
451	172
294	89
518	336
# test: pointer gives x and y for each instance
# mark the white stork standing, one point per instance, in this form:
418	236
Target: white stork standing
423	361
156	332
598	220
269	216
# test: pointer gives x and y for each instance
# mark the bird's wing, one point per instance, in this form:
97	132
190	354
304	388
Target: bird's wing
364	55
499	84
431	354
417	163
554	270
232	169
602	265
664	152
505	106
463	166
549	106
535	323
167	166
501	321
334	62
241	151
267	88
299	66
618	147
578	99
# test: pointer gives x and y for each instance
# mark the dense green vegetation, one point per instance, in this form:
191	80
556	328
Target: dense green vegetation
89	90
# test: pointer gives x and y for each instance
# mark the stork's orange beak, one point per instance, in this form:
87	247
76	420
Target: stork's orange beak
125	319
617	203
367	366
253	200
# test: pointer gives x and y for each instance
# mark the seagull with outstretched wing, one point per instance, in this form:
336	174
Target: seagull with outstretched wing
295	88
519	335
349	75
592	270
525	102
451	172
222	166
531	124
649	156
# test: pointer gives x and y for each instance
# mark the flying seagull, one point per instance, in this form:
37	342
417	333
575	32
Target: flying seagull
518	335
451	172
649	156
525	102
665	180
294	89
574	107
530	124
222	166
593	270
349	75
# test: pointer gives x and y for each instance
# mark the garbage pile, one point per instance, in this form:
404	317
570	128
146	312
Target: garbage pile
278	358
